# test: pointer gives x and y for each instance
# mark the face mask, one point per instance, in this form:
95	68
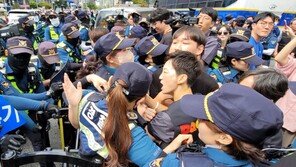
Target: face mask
55	22
125	57
36	19
73	41
29	29
19	62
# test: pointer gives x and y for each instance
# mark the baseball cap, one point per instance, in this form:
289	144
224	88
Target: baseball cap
26	20
149	45
48	51
72	19
237	110
70	29
110	42
240	20
136	77
240	34
18	44
138	32
243	51
81	15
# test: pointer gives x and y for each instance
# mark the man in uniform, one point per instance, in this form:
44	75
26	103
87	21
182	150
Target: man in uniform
53	31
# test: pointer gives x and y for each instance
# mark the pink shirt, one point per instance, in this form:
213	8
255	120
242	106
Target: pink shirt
288	103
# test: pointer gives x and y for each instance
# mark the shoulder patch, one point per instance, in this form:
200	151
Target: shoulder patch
156	163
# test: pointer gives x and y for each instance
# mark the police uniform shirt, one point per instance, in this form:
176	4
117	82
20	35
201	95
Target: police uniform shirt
93	113
211	48
64	54
224	74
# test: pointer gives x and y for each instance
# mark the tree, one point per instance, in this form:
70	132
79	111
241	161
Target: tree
45	4
142	3
92	6
33	4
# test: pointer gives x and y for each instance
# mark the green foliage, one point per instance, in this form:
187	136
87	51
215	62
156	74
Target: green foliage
33	4
45	4
16	6
60	3
142	3
92	6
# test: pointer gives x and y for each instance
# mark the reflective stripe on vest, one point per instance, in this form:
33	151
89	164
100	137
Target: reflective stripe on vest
216	60
68	50
13	83
53	34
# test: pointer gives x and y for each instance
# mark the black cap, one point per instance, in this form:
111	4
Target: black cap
138	32
81	15
243	51
26	20
237	110
240	34
18	44
136	77
149	45
110	42
48	51
70	29
72	19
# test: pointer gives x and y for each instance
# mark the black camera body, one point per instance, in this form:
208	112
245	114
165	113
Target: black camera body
11	31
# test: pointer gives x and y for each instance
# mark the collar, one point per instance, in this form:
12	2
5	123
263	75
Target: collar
221	157
253	39
233	72
111	70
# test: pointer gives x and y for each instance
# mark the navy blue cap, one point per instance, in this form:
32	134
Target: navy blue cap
81	15
26	20
292	87
48	51
72	19
70	29
18	44
138	32
237	110
149	45
241	34
136	77
243	51
110	42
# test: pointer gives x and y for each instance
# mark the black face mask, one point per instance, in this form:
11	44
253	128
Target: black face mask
29	29
19	62
73	41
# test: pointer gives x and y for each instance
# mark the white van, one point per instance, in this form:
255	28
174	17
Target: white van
15	14
114	11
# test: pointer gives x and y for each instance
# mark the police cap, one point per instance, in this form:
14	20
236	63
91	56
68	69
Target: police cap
71	30
18	44
48	51
149	45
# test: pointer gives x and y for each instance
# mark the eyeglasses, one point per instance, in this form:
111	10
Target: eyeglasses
224	33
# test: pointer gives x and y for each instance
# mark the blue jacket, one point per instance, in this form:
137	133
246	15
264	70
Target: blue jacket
7	88
209	157
47	36
84	33
229	75
67	52
91	120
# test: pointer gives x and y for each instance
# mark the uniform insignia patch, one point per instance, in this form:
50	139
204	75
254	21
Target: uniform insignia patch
155	163
22	43
51	52
5	84
240	32
73	28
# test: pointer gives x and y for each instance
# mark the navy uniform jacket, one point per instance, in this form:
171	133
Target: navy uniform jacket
23	84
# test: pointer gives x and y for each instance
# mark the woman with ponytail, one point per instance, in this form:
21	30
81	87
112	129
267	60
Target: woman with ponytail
108	125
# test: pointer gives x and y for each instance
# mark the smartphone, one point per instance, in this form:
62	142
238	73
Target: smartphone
285	23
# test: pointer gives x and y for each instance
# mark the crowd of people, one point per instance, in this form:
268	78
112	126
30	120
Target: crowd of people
141	93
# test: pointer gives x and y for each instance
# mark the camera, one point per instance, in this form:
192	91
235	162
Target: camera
11	31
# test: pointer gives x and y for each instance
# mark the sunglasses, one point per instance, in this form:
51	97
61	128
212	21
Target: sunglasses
224	33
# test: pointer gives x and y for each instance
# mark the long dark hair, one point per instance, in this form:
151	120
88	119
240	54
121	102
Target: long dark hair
117	133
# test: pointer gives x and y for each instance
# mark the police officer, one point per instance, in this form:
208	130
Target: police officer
28	26
53	31
84	29
48	56
20	77
68	50
239	56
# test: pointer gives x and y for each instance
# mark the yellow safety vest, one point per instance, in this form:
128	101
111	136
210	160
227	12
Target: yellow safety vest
68	50
53	34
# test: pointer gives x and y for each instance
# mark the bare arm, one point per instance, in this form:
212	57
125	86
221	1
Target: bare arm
282	56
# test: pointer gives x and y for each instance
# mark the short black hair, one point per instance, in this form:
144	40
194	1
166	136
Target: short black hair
185	62
211	12
263	15
160	14
269	82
